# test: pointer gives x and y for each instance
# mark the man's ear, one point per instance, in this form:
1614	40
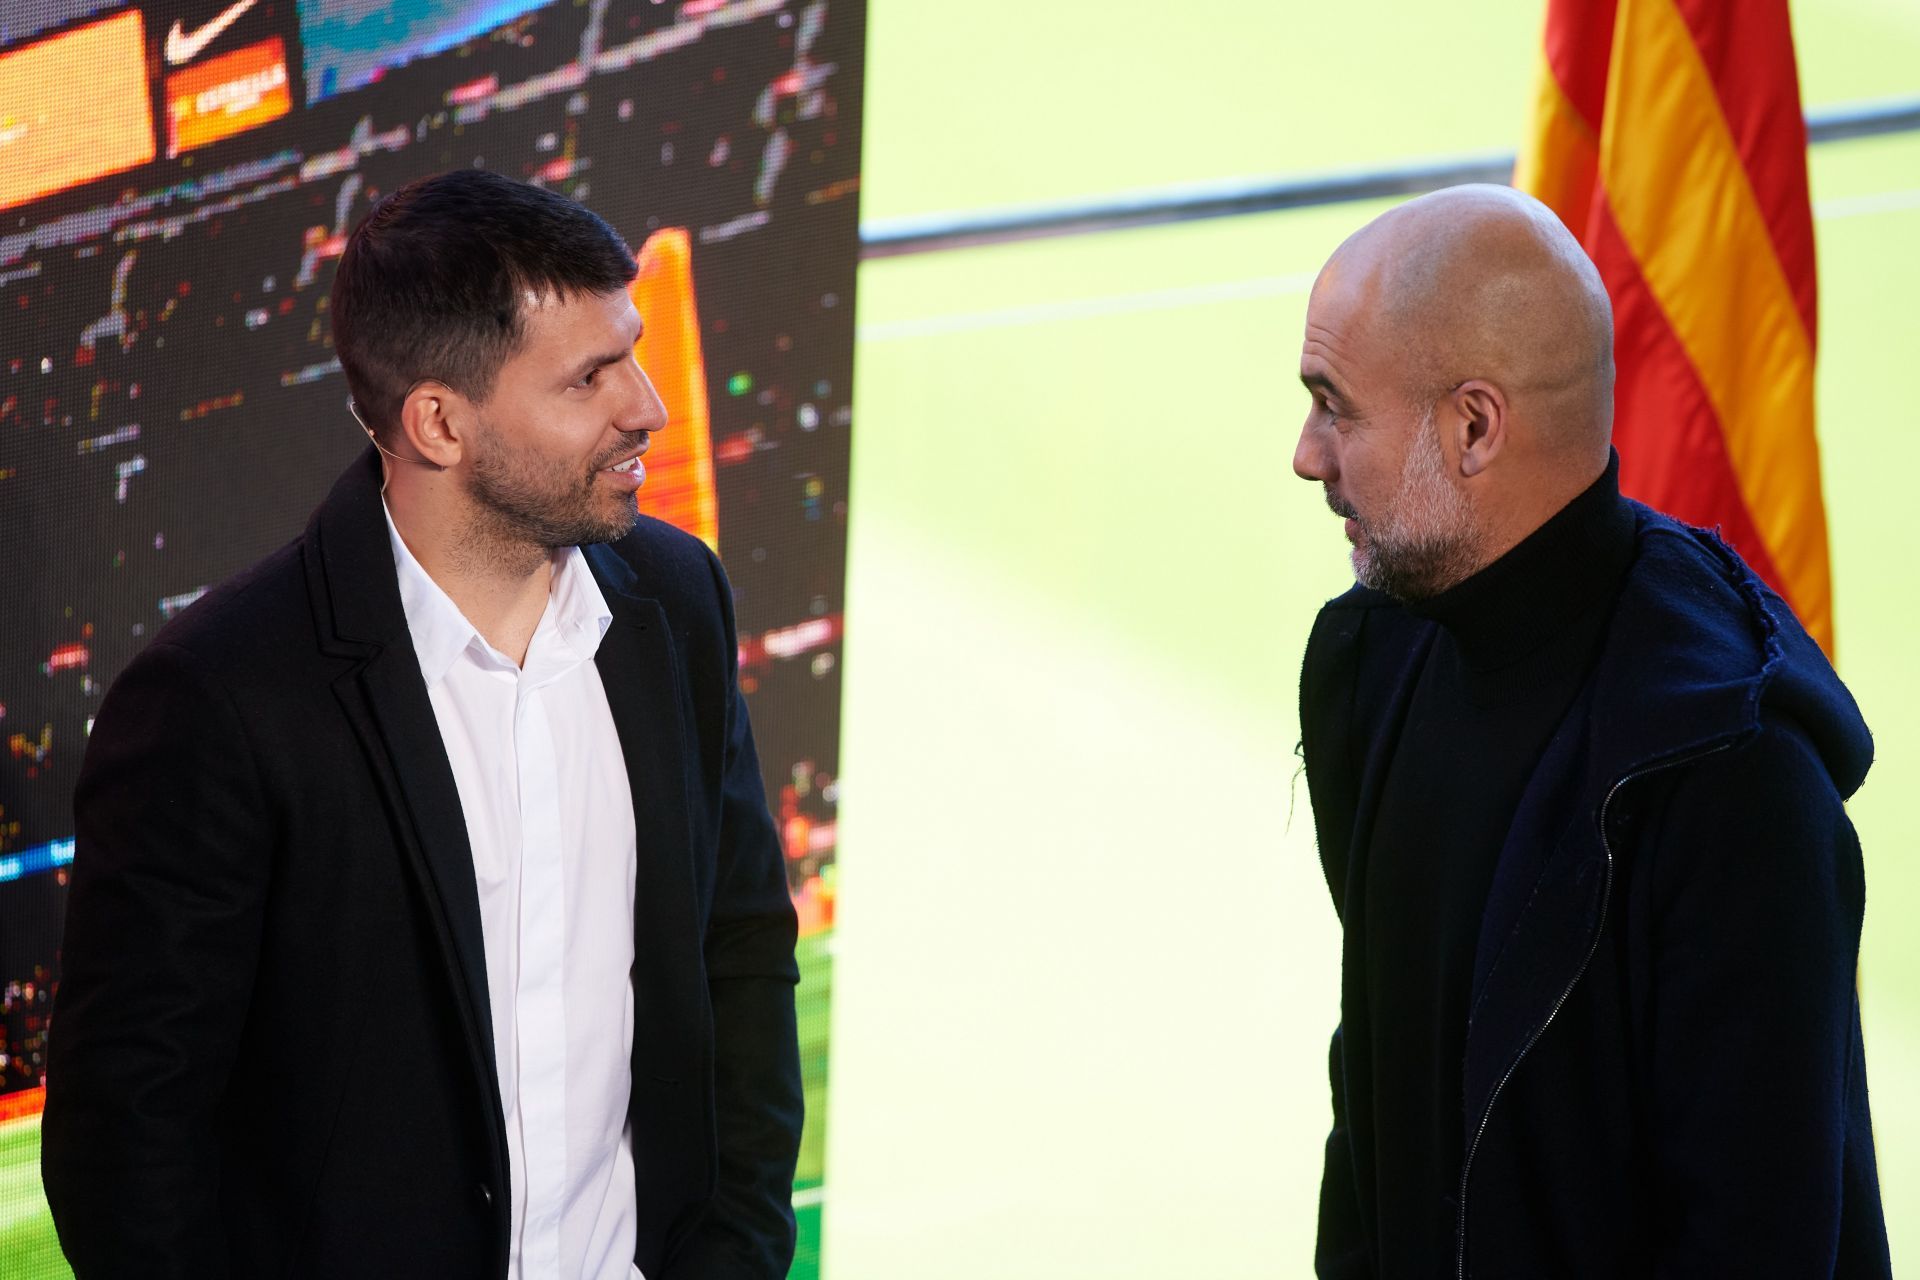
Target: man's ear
435	420
1480	432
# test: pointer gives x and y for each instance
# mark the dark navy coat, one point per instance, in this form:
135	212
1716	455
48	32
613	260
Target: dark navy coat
1664	1074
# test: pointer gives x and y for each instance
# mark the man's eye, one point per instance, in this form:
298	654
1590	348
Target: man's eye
588	380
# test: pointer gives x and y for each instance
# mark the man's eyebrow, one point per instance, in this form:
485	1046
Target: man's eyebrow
582	367
1322	383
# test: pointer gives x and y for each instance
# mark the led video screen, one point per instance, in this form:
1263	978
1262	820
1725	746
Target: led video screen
176	184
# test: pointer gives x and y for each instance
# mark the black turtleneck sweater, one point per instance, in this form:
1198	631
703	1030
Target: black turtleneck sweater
1516	642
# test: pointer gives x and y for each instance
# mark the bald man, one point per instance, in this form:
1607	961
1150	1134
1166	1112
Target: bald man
1577	777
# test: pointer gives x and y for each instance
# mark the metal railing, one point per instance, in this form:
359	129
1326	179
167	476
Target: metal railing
932	233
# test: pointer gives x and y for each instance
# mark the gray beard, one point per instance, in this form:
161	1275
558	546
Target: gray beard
1428	542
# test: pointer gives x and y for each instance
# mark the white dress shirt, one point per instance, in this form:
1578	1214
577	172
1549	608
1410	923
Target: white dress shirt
549	813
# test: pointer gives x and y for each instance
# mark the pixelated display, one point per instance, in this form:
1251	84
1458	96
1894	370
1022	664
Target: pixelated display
179	182
73	107
351	43
226	95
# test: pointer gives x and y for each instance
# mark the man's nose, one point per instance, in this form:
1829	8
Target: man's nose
1311	460
646	410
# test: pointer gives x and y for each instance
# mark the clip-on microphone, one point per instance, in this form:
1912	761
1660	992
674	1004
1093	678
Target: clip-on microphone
354	409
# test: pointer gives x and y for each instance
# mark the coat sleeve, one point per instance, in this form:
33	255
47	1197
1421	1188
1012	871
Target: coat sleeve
1340	1249
1328	676
748	1234
1763	1158
162	937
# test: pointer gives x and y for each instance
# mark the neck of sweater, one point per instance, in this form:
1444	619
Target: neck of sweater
1557	577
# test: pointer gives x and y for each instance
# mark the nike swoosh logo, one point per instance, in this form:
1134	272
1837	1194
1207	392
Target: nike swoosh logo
182	47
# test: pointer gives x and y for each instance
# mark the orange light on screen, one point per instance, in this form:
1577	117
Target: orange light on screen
74	108
679	485
227	95
26	1102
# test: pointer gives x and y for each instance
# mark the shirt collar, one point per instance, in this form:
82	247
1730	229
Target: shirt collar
577	614
575	604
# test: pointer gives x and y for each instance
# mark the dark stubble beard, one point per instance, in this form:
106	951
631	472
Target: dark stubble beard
523	502
1427	541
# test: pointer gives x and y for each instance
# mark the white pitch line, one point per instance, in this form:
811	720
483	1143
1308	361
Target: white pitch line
1854	206
1084	308
810	1197
1237	290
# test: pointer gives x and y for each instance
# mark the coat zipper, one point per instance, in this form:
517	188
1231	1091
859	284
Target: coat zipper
1606	900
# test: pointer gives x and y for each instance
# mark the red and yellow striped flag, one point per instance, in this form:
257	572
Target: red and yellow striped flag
1668	136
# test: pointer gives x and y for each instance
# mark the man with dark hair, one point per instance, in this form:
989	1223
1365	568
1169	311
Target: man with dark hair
427	917
1577	778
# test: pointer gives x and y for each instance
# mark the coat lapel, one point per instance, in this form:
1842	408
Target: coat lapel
390	698
356	596
639	671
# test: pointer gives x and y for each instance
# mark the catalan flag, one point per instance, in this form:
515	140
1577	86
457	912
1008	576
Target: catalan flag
1668	136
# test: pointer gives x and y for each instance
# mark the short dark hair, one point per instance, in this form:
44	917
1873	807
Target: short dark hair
431	282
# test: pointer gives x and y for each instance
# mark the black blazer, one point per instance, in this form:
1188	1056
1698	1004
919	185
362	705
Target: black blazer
272	1052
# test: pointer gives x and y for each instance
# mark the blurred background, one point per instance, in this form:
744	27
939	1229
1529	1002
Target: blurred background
1086	963
1069	961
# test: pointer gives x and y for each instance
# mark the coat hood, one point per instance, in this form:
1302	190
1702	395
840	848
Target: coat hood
1700	649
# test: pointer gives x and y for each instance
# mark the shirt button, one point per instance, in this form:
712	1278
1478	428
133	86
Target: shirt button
485	1193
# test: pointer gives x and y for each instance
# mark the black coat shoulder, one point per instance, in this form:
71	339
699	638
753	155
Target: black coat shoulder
667	564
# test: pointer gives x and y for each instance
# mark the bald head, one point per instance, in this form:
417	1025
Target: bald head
1459	350
1485	282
